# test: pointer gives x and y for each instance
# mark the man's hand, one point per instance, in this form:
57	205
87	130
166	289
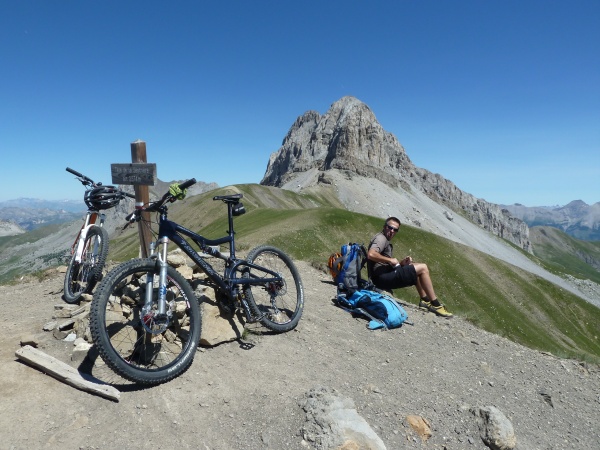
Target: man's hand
406	261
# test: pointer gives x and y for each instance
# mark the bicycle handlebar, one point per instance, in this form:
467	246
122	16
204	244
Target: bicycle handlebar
155	206
187	184
74	172
87	180
81	176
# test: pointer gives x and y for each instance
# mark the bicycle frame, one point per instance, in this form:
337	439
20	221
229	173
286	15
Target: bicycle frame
90	220
169	230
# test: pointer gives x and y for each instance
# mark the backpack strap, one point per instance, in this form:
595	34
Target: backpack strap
374	324
363	250
349	259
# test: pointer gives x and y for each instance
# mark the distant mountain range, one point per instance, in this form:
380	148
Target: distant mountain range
26	214
36	203
21	215
577	219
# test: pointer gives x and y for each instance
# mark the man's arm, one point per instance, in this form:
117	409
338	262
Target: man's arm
377	257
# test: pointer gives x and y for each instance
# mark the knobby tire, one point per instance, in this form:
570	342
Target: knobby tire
278	305
81	277
122	340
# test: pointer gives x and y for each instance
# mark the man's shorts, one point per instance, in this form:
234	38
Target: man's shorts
398	278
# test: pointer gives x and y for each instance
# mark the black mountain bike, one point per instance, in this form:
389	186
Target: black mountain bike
145	319
90	249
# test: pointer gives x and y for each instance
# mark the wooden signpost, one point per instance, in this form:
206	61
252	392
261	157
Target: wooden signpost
140	174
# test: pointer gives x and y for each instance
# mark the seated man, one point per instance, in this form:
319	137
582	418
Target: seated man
389	273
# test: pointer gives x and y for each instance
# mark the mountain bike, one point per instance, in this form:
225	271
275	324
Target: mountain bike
146	320
90	249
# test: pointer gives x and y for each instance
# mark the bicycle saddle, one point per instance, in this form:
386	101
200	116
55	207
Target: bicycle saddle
234	198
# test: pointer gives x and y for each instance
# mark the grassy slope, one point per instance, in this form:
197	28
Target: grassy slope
565	254
7	242
491	293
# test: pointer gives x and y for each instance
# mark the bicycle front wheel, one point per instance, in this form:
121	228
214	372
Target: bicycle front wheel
138	343
278	304
82	275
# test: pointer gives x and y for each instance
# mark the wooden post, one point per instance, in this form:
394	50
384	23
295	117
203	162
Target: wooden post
142	197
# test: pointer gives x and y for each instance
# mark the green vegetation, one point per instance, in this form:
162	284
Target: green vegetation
15	268
31	236
490	293
562	253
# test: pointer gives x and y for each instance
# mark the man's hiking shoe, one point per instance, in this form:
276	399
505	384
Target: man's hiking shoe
440	311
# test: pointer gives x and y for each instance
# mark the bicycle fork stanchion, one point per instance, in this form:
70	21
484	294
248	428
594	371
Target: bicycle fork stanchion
162	277
156	322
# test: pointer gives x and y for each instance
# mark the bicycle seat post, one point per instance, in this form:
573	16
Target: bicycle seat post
231	232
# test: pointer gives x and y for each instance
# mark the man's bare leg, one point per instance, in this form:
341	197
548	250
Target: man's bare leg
424	285
425	288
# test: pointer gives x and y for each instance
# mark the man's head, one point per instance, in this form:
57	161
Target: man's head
391	227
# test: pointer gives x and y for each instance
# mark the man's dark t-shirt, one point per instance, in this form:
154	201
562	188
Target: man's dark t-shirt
385	276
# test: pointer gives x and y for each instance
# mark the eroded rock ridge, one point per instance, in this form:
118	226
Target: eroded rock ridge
349	137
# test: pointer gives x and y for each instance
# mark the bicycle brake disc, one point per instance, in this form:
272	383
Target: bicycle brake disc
155	323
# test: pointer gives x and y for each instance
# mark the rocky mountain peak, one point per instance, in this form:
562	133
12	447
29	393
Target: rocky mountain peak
576	206
349	138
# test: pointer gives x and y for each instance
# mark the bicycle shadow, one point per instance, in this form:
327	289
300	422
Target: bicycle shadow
93	369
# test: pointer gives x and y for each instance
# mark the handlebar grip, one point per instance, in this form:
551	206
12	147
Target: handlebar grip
187	184
74	172
127	194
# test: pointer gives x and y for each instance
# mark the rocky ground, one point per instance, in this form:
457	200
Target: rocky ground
250	394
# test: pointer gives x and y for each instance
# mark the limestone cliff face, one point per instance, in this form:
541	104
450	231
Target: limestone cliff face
349	137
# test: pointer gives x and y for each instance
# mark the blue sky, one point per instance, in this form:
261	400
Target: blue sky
500	97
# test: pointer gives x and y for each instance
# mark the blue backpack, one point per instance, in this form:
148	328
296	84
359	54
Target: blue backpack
381	310
345	268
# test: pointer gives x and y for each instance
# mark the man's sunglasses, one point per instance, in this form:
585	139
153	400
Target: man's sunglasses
394	229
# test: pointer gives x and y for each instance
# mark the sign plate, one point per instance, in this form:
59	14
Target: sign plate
134	173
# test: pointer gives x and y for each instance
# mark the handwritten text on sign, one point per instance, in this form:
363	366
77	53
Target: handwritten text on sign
134	173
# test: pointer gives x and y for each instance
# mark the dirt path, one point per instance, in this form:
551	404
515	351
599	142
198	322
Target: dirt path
246	396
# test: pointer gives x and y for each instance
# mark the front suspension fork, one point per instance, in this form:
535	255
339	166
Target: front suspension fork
161	260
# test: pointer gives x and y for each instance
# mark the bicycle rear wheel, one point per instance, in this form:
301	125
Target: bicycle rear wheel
143	346
81	276
277	304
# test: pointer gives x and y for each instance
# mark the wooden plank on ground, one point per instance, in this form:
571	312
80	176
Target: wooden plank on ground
64	372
